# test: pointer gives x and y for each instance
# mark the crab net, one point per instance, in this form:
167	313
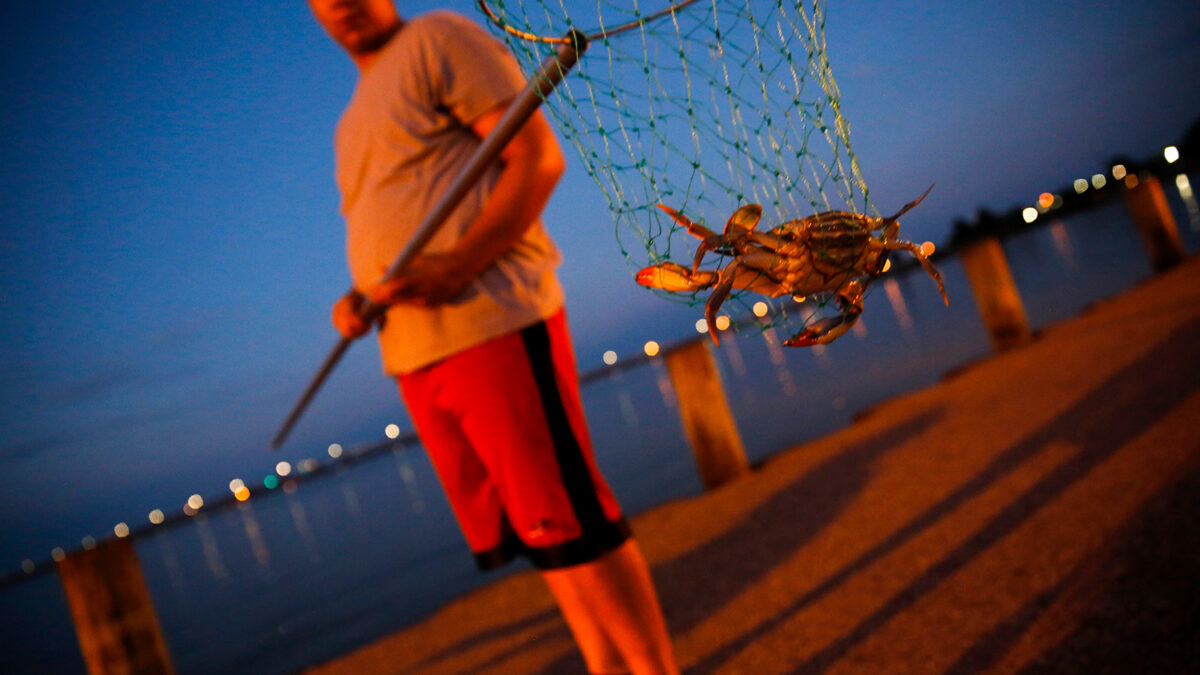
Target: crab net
702	106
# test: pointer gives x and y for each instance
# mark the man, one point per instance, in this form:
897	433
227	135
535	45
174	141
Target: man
475	331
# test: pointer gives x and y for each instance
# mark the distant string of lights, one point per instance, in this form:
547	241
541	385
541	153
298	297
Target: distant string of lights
284	476
1047	201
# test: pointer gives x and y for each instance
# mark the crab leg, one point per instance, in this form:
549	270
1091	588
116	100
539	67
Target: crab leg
924	260
757	281
698	230
743	220
709	240
717	297
909	206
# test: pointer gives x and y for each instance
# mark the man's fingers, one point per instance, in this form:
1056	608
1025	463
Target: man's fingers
390	292
346	318
350	325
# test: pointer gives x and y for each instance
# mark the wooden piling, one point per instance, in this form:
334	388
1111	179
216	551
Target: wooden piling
996	293
114	617
1148	205
707	419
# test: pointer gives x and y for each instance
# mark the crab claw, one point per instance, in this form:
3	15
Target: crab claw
822	332
670	276
850	306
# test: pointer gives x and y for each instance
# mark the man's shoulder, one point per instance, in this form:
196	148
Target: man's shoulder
429	35
442	22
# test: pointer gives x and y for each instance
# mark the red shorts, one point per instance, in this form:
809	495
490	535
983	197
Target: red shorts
504	426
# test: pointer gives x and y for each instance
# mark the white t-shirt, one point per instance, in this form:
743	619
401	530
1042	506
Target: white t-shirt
402	139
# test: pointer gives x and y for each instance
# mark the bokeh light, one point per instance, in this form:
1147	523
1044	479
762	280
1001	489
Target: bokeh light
722	322
609	357
308	465
1185	187
271	482
1081	185
58	554
1099	181
121	530
701	326
156	516
335	450
1030	214
1118	171
1045	200
27	566
392	431
1131	181
283	468
651	348
760	308
195	501
1171	154
88	542
242	494
236	484
928	248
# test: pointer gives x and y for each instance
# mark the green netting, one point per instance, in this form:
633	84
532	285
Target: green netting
705	108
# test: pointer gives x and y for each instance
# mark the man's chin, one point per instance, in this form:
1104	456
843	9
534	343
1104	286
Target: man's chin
367	42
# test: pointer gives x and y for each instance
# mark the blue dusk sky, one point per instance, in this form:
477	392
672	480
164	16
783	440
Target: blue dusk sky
171	240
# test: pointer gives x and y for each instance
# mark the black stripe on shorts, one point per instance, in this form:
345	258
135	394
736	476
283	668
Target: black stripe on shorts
599	534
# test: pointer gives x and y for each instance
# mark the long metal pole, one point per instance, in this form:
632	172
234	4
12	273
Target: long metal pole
518	112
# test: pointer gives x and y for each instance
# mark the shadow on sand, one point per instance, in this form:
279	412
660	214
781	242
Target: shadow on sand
694	585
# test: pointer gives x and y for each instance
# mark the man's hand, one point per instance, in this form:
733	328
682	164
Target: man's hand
345	316
429	279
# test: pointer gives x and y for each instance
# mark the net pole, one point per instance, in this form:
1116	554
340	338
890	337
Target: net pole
539	86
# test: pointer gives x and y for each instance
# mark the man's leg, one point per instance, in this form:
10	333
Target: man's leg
514	402
613	611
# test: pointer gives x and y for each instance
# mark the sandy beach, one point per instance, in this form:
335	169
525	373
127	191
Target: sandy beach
1032	512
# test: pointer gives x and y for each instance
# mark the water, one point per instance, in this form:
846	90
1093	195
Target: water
298	577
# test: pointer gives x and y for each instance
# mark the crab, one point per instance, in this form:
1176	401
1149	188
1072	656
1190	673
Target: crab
833	252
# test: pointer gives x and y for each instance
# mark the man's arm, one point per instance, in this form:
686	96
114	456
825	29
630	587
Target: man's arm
531	165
